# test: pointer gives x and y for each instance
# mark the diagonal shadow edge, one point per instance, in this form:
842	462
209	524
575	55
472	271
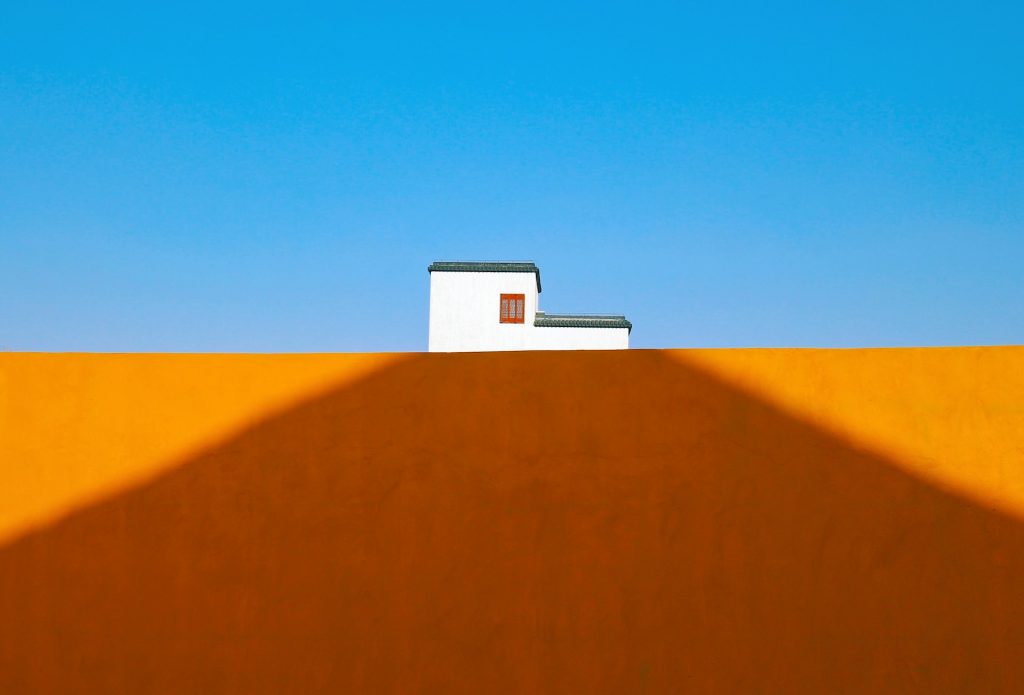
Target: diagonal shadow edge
323	374
401	535
954	471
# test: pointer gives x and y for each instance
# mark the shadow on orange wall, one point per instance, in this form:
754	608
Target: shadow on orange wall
559	522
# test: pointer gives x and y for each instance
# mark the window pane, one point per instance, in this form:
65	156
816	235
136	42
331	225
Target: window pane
519	309
504	308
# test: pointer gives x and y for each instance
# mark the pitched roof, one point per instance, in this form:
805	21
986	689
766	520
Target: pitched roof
486	267
581	321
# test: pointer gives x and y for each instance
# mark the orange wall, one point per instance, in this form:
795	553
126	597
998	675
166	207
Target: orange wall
717	521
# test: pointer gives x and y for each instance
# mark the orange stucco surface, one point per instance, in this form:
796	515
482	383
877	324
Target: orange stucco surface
724	521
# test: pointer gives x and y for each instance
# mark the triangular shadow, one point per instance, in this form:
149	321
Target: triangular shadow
559	522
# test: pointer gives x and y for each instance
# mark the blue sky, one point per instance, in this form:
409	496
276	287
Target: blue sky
262	177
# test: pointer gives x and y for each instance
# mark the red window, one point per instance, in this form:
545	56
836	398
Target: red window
512	308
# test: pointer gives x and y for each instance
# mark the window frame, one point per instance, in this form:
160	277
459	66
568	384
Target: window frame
512	308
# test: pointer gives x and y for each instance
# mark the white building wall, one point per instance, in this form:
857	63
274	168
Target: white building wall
464	317
464	311
549	338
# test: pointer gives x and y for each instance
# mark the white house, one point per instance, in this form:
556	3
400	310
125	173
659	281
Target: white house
482	307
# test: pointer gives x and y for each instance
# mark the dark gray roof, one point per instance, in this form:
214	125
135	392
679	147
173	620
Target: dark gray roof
581	321
486	267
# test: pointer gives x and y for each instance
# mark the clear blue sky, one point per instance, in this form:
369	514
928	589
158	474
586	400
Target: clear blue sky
252	177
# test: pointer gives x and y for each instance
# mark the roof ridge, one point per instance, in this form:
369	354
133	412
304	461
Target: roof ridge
486	267
581	316
542	320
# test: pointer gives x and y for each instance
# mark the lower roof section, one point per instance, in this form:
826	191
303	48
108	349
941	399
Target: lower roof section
544	320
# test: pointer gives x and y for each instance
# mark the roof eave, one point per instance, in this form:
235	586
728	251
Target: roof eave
486	267
543	320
